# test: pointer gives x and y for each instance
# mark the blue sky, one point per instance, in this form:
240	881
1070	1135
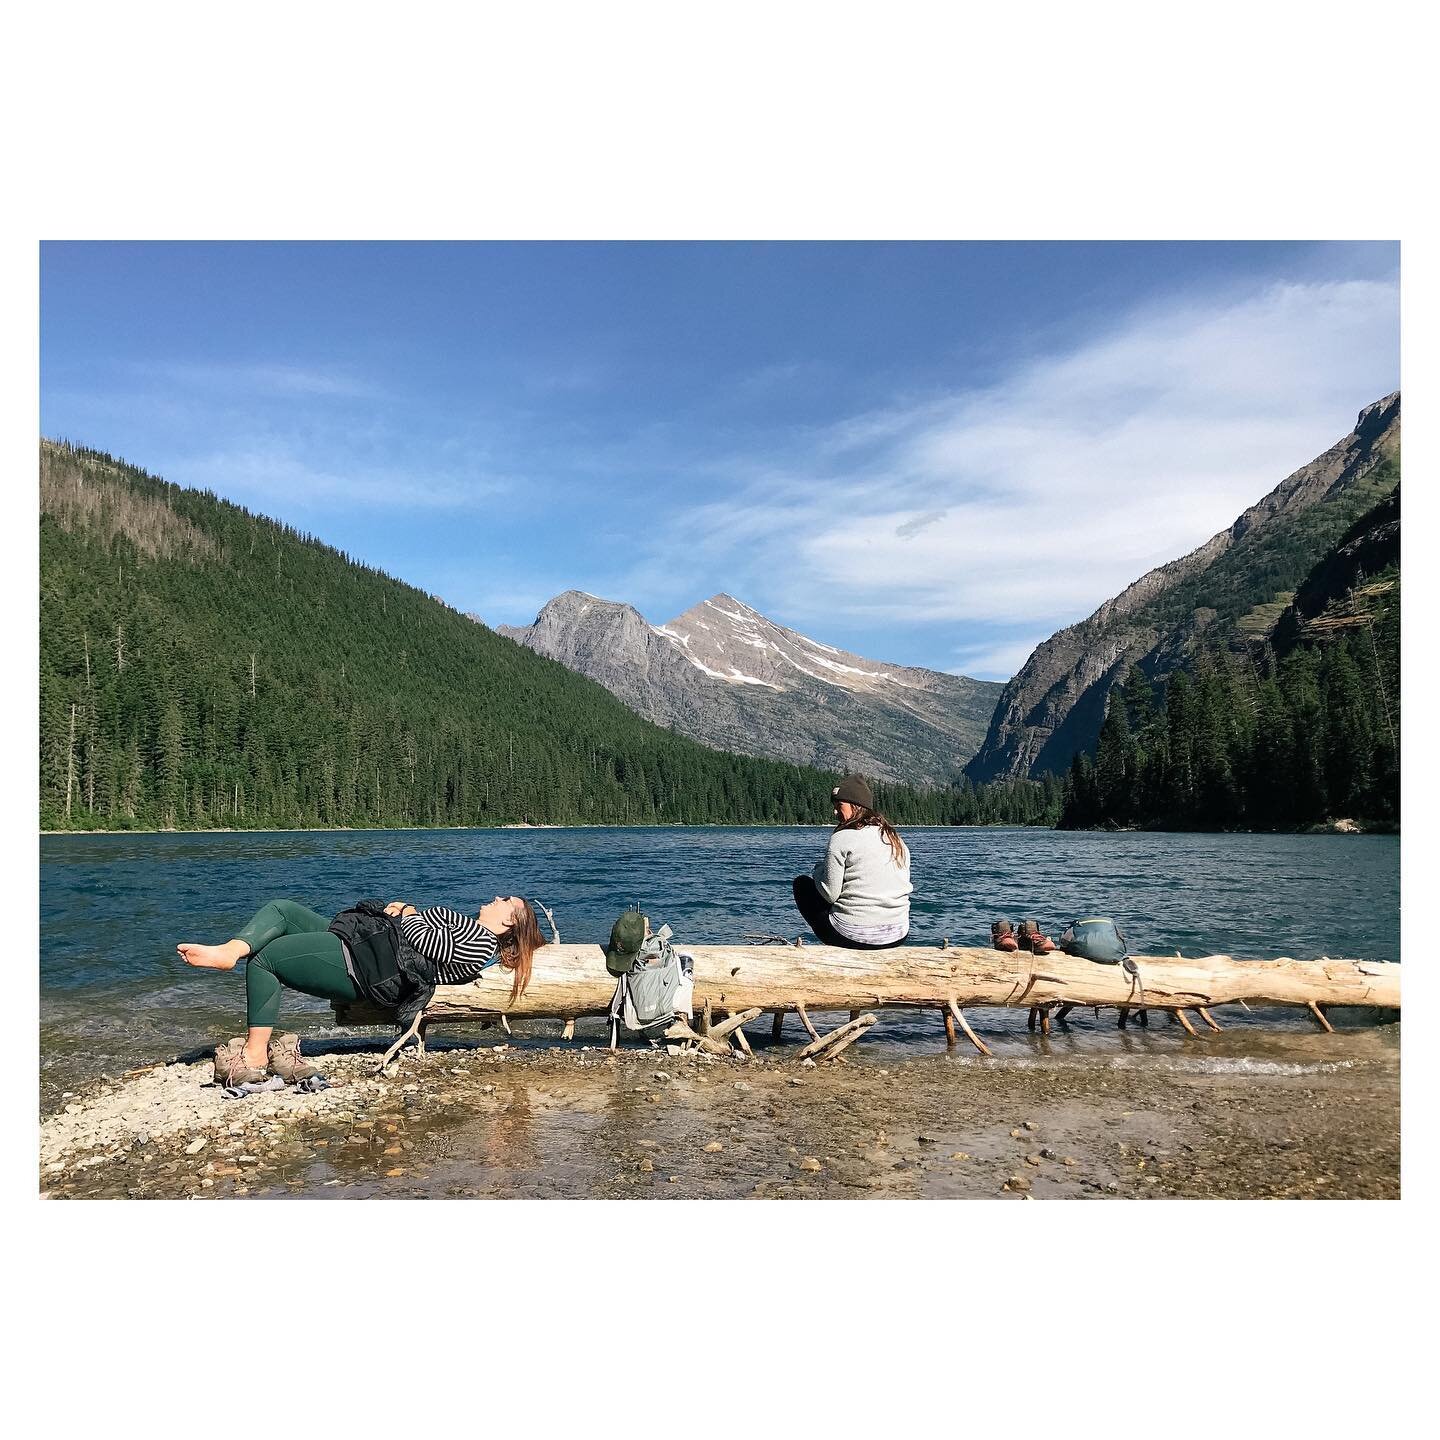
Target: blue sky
935	454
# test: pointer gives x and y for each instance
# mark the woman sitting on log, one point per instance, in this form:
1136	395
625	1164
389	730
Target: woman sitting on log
391	954
858	895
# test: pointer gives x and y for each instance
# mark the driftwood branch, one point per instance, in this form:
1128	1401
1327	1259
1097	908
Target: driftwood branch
847	1035
680	1030
554	928
413	1033
728	1027
837	1039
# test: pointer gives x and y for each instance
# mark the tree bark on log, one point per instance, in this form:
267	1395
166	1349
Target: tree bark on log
571	980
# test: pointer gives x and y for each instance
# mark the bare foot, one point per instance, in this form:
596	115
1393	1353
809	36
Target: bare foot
211	957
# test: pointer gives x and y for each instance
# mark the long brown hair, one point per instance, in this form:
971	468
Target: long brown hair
517	948
863	817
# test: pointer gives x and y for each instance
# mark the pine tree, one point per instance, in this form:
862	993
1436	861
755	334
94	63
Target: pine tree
1349	736
1115	763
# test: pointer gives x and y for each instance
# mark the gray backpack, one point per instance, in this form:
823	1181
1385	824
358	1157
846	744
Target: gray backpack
654	990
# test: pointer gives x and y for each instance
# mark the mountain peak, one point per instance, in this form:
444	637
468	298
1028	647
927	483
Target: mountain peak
726	601
577	599
571	618
728	676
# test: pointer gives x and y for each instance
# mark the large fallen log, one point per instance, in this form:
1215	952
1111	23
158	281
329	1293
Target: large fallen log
570	981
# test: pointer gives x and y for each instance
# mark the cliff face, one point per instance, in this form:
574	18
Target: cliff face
1054	706
723	674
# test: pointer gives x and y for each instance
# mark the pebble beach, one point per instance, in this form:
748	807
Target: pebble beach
1300	1115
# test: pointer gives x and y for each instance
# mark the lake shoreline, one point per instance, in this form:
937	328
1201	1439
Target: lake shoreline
1334	827
504	1122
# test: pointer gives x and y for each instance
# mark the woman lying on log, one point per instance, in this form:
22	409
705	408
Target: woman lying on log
858	895
393	955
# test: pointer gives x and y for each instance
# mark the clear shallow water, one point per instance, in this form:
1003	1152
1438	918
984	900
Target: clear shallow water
113	993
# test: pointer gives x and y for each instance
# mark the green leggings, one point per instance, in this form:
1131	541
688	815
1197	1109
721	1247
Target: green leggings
291	946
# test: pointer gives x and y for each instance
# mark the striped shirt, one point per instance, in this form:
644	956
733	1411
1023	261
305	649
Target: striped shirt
459	944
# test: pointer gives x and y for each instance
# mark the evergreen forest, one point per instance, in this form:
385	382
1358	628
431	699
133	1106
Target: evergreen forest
1263	741
205	667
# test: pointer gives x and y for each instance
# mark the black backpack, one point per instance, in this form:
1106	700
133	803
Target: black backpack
389	971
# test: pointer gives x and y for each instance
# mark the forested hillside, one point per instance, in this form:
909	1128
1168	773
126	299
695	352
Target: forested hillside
202	666
1302	727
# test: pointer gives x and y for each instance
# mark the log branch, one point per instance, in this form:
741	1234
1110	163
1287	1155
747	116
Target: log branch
829	1044
955	1013
729	1026
680	1030
847	1036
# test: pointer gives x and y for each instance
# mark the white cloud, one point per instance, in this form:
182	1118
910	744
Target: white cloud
994	662
276	379
274	478
1037	499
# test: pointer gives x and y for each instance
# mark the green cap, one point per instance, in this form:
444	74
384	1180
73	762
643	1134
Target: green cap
627	935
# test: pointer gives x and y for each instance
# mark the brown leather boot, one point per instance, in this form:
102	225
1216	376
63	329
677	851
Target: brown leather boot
1032	940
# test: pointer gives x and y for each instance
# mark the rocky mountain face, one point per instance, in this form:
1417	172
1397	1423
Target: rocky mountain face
723	674
1226	591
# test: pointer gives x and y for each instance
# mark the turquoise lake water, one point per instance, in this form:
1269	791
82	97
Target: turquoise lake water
113	993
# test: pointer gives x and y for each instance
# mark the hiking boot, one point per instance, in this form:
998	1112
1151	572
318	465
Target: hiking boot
285	1060
1002	937
1032	940
231	1067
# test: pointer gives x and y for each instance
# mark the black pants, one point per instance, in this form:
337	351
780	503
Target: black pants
811	904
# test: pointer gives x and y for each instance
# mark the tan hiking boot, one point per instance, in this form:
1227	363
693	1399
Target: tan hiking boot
285	1059
231	1067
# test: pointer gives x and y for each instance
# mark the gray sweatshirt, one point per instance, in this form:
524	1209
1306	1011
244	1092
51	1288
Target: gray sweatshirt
868	892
